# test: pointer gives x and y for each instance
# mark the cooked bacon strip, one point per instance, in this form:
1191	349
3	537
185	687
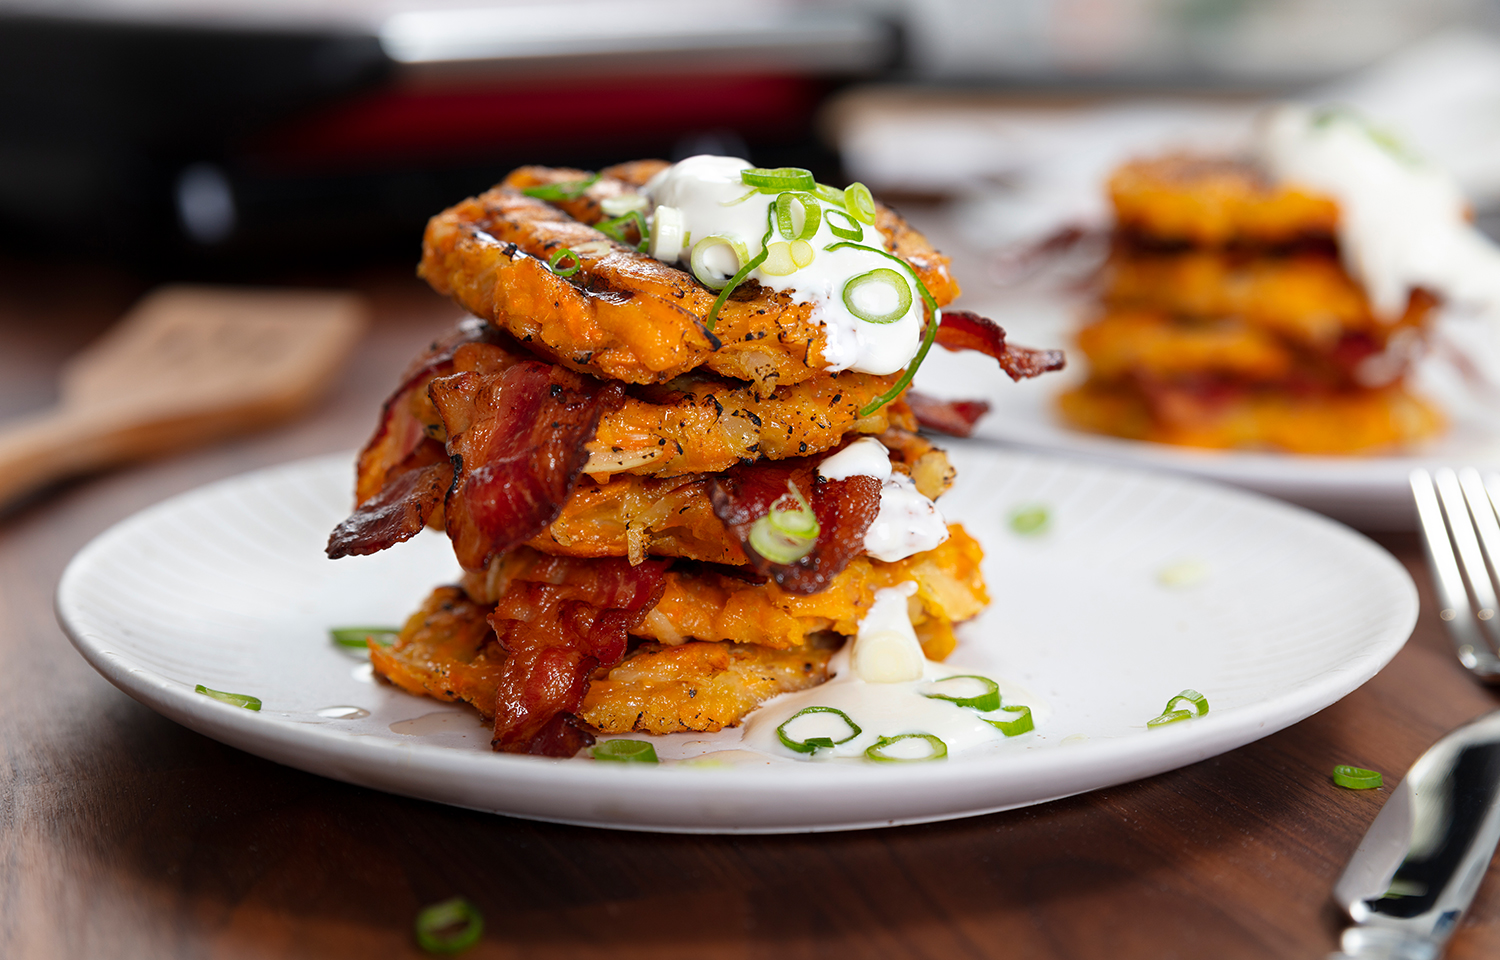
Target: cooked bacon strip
413	491
564	620
517	438
953	417
962	330
401	430
844	508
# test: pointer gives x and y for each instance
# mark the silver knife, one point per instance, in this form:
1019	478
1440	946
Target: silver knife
1421	861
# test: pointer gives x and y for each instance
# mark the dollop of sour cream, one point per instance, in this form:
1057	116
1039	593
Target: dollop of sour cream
1403	223
704	196
908	522
884	707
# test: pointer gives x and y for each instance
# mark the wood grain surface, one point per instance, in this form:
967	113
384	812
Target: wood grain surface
123	835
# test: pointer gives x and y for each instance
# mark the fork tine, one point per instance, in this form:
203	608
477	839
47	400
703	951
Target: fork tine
1465	543
1482	509
1455	611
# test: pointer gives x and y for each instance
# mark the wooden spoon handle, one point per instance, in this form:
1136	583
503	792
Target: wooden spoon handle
39	449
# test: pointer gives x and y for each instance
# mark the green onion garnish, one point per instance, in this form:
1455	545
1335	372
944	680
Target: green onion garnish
853	231
814	744
911	369
829	194
356	636
983	702
927	296
937	749
1023	723
563	253
812	215
859	203
1193	698
562	190
233	699
885	277
739	278
615	228
452	926
622	204
1171	716
1356	778
778	179
1030	521
789	531
626	751
706	274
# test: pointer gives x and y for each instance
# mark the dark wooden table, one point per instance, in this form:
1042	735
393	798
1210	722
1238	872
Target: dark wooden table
123	835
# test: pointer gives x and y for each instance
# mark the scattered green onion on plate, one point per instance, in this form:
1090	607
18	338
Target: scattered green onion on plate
814	744
357	636
879	751
233	699
451	926
625	751
1173	713
1022	723
984	702
1030	521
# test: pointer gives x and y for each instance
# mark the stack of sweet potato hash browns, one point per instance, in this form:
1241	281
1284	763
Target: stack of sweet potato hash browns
597	456
1228	321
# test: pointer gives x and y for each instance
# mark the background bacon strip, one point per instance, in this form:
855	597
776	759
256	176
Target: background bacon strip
844	508
953	417
962	330
413	491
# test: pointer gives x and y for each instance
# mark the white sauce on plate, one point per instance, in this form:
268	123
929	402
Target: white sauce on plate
883	709
701	197
908	522
1403	223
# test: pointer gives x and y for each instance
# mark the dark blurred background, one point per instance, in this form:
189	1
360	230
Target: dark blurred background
226	138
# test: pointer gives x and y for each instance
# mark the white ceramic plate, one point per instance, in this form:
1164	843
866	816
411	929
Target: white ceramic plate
1270	611
1369	492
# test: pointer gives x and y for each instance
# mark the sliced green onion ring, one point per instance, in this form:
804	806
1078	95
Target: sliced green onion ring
927	296
563	190
789	531
356	636
1171	716
779	262
812	215
829	194
1357	778
814	744
938	748
626	751
853	230
1023	723
1196	700
739	278
622	204
699	260
615	228
859	203
452	926
233	699
884	276
778	179
802	253
984	702
563	253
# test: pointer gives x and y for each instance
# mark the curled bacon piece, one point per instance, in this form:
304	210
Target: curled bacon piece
844	508
962	330
413	491
953	417
564	620
516	437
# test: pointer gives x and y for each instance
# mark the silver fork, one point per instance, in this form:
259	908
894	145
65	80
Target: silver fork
1469	539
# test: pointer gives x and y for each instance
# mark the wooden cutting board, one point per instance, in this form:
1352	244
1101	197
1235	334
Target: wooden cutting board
186	366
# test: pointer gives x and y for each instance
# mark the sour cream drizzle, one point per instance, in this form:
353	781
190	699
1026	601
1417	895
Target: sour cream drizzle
701	197
908	522
1402	222
882	709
